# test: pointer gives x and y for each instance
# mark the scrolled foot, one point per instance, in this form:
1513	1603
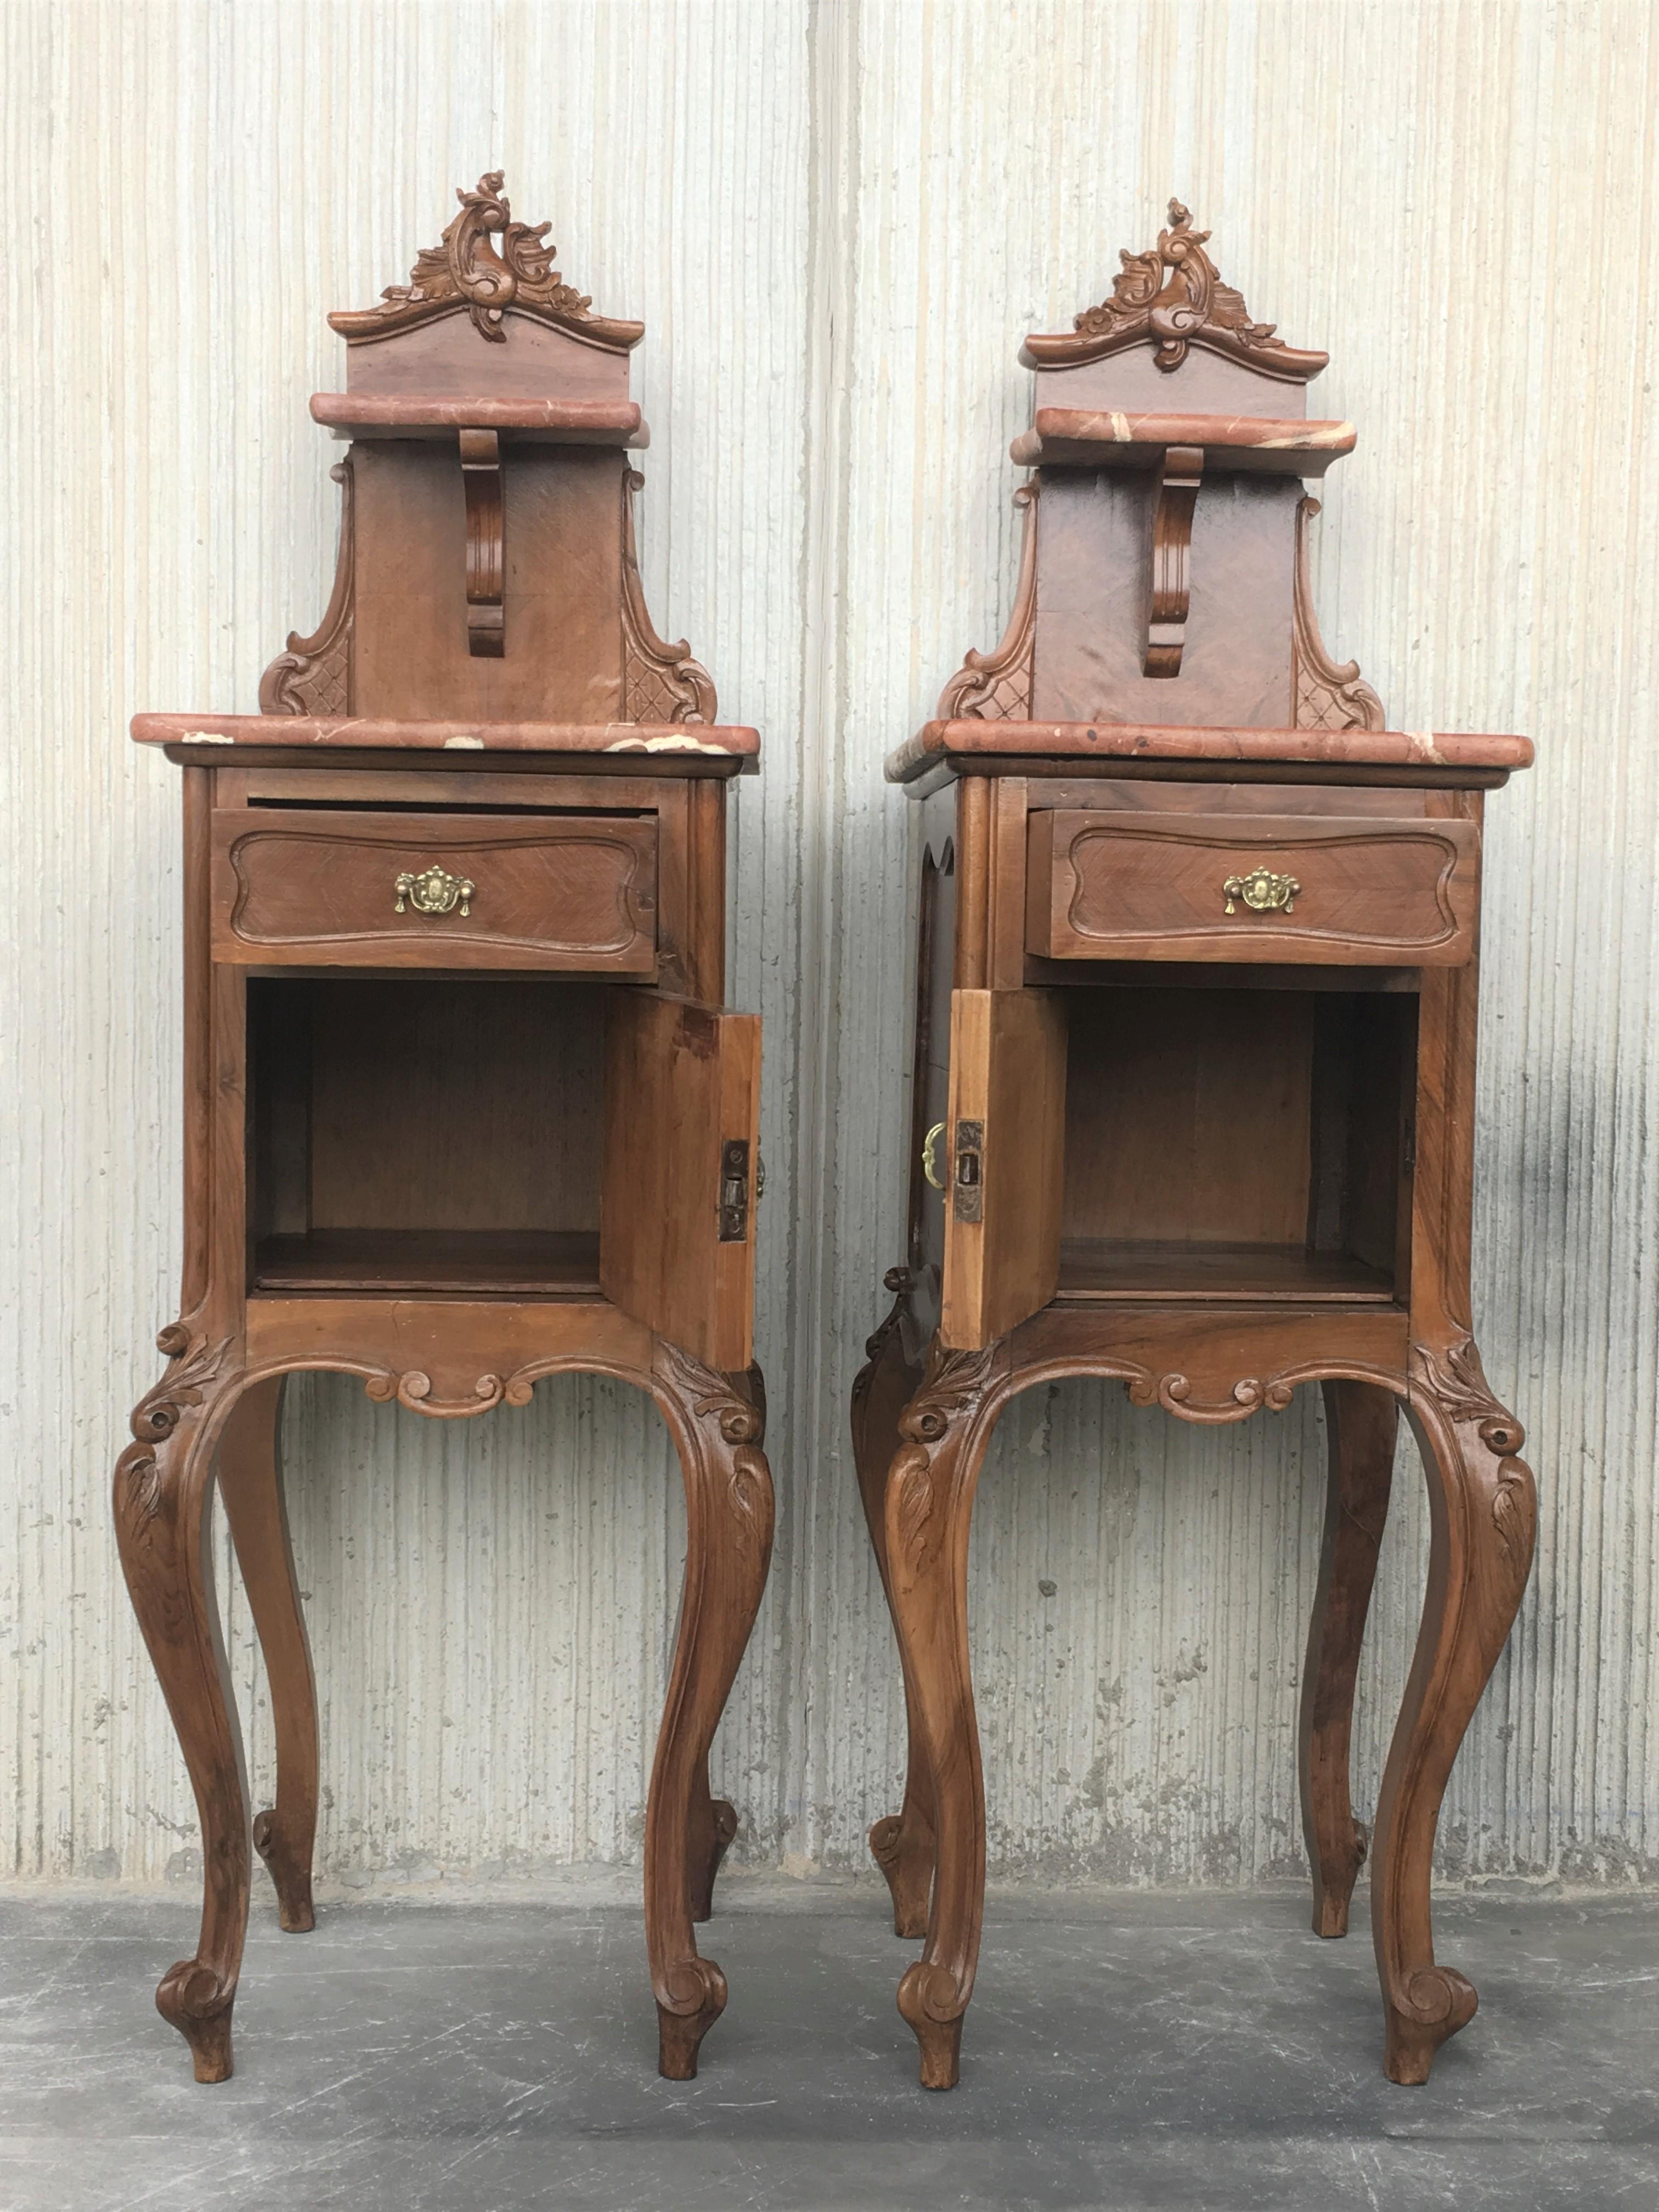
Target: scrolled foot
191	1997
723	1828
907	1862
292	1882
929	2003
697	1988
1433	2005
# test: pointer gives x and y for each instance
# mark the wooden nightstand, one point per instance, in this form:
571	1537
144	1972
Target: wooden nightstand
463	1108
1194	1083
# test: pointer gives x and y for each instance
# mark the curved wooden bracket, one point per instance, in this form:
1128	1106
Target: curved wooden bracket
1325	694
481	478
313	675
1173	501
661	682
992	687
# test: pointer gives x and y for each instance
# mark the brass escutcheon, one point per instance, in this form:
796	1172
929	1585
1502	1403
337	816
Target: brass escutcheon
1262	891
930	1154
434	890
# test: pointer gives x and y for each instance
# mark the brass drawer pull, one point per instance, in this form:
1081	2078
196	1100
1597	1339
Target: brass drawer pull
1262	891
434	890
930	1154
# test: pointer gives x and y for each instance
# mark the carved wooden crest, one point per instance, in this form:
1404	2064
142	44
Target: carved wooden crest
467	271
1188	306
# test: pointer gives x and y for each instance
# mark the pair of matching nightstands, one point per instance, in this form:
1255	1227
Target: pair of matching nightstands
1196	1001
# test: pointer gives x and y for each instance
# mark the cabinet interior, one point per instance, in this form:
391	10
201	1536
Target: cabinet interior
1236	1144
420	1134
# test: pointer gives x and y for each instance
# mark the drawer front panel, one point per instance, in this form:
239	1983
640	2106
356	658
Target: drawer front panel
1332	891
436	891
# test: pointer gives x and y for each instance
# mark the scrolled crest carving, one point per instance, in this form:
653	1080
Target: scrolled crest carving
466	269
1173	296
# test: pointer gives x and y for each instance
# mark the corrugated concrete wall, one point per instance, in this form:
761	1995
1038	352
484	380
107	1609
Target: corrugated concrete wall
836	221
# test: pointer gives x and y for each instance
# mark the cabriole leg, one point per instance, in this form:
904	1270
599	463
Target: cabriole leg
712	1827
1483	1514
249	1472
930	1495
1361	1422
718	1428
901	1843
162	1484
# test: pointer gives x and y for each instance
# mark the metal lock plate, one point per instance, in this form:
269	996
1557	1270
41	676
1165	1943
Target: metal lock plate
968	1172
734	1190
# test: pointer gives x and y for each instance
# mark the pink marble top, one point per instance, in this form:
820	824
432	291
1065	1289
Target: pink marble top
1106	437
566	421
1079	741
364	733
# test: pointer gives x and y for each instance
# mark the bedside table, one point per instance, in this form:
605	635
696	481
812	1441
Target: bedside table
1192	1092
463	1107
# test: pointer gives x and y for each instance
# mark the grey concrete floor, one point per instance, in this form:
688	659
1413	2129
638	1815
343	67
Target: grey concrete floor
1123	2049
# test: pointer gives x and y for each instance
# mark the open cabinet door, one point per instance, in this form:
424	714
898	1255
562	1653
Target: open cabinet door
676	1196
1005	1133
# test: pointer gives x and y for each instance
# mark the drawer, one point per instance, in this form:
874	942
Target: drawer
293	886
1329	889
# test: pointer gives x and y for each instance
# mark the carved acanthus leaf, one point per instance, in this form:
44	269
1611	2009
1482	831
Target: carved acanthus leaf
996	687
467	269
741	1421
1514	1515
1188	307
314	676
661	682
192	1365
1325	694
912	1472
953	1383
711	1394
1457	1380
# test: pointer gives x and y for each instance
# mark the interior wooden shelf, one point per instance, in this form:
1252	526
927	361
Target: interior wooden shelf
1100	1268
548	1263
